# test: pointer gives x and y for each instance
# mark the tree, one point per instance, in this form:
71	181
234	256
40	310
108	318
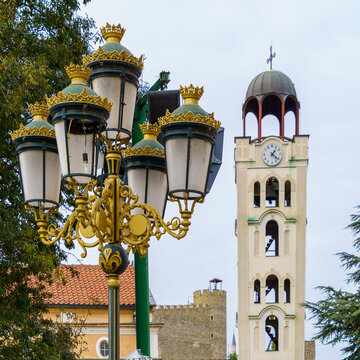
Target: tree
338	315
38	38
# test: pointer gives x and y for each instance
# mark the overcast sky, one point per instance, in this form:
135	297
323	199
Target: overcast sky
223	46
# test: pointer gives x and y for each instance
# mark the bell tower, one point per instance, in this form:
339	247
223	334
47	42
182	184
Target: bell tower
271	171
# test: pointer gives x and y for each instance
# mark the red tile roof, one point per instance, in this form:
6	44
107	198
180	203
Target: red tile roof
89	287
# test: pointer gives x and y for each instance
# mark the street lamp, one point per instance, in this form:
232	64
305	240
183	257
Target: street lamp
114	217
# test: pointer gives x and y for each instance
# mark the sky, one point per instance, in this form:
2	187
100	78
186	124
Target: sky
223	46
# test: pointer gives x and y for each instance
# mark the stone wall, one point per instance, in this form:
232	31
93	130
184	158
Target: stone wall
196	331
310	350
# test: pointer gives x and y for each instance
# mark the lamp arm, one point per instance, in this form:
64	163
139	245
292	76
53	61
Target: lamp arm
138	239
50	234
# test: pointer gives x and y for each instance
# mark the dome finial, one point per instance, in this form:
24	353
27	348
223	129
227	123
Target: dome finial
272	56
78	74
191	94
112	33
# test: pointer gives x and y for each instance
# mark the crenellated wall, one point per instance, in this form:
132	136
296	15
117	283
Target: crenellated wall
195	331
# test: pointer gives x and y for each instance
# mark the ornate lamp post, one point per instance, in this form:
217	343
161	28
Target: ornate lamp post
109	215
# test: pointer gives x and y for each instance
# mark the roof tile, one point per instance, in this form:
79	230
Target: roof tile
89	286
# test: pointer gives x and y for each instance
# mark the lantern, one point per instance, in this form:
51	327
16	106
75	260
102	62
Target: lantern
189	135
115	74
39	160
146	168
79	116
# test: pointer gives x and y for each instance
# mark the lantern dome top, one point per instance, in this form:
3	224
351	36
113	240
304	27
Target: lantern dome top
190	111
148	145
78	91
271	81
78	75
113	50
191	96
38	126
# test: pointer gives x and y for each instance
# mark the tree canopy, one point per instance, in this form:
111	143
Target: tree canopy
38	39
337	316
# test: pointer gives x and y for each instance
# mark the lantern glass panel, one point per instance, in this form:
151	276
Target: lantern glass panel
77	154
195	156
156	190
176	159
110	87
200	153
129	105
32	173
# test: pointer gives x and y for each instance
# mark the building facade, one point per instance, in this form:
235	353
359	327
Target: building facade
196	331
271	172
82	302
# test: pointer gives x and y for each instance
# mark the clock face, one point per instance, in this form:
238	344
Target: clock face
272	154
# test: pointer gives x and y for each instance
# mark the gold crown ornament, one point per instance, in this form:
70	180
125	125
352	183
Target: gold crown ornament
191	94
112	33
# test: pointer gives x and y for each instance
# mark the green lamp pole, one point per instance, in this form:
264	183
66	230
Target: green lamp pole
141	264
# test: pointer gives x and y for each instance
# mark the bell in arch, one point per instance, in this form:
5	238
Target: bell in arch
272	192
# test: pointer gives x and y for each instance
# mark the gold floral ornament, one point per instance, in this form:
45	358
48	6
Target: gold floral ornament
140	151
189	117
114	34
38	126
78	75
83	97
150	132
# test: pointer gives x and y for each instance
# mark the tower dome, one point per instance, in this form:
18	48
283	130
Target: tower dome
271	81
271	93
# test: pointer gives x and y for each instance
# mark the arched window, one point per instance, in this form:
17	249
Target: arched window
257	194
272	289
287	196
272	192
104	348
272	239
286	291
257	291
271	333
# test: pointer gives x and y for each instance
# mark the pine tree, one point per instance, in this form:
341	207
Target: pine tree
337	316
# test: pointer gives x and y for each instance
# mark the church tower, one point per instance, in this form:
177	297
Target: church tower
271	171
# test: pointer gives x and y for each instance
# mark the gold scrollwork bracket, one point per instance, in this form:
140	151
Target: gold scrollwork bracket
114	218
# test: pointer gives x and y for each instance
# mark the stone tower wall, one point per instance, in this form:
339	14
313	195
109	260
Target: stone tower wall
196	331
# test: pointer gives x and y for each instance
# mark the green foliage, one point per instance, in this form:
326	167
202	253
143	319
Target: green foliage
38	38
338	315
232	357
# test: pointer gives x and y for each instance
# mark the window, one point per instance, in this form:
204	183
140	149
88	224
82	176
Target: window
256	194
272	239
287	196
272	289
257	291
272	192
271	333
66	317
286	290
104	348
211	317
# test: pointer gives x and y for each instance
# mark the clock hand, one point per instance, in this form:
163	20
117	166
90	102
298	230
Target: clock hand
272	154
